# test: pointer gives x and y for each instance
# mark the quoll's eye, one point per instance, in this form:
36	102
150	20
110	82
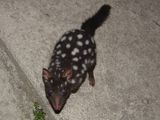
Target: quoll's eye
50	92
51	81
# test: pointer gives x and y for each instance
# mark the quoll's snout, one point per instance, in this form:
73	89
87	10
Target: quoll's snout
57	103
58	100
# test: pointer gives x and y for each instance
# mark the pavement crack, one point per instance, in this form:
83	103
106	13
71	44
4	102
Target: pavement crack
155	22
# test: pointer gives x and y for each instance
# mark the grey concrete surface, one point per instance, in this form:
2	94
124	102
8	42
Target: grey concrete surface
17	93
128	45
13	101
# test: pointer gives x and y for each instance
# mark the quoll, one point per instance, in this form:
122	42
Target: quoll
74	57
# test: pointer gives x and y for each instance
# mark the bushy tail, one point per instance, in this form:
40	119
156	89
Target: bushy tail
91	24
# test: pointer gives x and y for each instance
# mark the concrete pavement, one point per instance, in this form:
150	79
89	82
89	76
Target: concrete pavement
17	93
128	45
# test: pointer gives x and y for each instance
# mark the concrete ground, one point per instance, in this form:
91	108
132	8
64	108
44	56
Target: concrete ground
128	70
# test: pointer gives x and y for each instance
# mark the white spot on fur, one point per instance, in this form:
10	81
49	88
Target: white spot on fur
75	67
75	59
63	55
79	43
57	62
87	42
84	66
68	46
58	46
84	52
82	71
78	75
89	50
75	51
92	40
51	81
73	81
79	36
63	38
59	52
65	83
70	38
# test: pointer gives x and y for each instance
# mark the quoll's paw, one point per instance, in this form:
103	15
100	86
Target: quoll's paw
92	82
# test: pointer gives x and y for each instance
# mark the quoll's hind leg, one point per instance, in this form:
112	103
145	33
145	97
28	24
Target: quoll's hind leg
91	75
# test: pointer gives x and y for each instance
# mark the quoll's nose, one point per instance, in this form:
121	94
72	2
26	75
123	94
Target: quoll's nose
57	111
57	107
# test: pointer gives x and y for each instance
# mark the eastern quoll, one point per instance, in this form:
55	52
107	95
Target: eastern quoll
74	57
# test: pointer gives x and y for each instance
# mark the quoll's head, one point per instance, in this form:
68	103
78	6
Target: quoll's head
57	89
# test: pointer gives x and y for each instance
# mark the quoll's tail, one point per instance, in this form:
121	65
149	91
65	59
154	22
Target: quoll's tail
91	24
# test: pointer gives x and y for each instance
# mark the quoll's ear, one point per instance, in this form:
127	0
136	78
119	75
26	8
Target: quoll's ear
67	73
46	74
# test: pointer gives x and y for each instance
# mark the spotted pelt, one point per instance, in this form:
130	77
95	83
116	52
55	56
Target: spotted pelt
74	56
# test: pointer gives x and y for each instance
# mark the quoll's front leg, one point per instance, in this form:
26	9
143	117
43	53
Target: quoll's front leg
91	75
91	78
